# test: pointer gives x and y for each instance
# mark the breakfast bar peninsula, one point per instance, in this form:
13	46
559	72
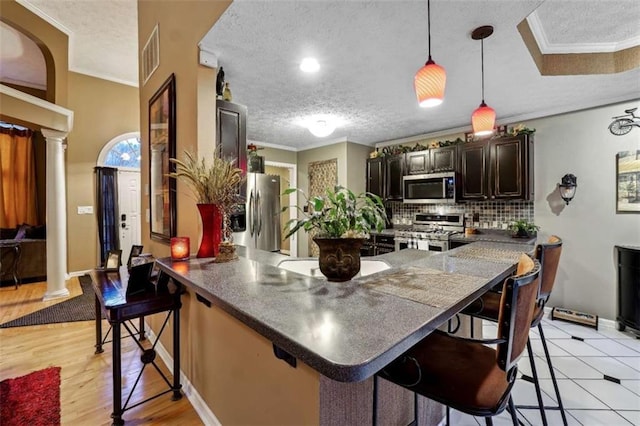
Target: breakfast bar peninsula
264	345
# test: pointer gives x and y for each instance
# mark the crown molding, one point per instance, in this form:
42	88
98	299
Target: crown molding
546	47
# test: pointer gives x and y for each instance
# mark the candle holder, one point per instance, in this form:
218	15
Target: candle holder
180	247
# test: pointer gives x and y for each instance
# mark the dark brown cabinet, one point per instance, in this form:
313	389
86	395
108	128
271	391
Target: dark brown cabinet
434	160
498	169
394	170
231	134
417	162
443	159
375	176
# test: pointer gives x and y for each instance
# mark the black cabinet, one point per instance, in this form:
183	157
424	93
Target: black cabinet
443	159
498	169
231	134
375	176
417	162
394	170
434	160
628	288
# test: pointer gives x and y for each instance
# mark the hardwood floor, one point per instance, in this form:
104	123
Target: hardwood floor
86	383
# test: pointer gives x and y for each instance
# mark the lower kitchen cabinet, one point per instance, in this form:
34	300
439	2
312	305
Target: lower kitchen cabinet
628	288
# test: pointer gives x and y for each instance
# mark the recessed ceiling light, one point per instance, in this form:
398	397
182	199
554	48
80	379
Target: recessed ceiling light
309	65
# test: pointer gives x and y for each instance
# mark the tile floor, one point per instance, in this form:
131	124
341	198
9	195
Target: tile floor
580	367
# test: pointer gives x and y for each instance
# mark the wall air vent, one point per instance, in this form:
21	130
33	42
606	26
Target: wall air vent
150	55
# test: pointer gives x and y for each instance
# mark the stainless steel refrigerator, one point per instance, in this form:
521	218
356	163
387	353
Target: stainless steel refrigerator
260	226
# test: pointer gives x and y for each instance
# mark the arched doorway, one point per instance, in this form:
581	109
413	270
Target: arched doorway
123	154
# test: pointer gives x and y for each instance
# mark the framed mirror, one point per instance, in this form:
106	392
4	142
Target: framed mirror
162	146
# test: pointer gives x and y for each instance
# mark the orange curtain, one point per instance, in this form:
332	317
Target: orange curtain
18	198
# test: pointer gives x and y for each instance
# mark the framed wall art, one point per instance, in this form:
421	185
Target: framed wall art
628	182
162	147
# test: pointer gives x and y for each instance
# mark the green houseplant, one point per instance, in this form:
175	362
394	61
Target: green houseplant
523	228
342	220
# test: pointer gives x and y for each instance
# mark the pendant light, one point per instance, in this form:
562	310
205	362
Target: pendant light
430	79
483	118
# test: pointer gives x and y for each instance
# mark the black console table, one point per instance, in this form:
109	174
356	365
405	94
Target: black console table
628	266
118	307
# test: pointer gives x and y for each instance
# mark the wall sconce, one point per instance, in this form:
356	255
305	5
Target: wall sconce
568	187
180	248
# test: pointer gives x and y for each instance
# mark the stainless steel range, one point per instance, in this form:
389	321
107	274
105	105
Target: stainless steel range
430	231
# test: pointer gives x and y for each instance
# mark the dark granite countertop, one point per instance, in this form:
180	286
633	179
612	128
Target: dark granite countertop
629	247
346	331
492	235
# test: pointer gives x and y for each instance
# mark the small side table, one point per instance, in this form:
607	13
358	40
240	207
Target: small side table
15	246
118	307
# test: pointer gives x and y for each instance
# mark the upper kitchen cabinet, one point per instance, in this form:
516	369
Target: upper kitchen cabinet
375	176
443	159
434	160
417	162
394	170
231	133
498	169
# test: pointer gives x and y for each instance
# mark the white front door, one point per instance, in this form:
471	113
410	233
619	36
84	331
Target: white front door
129	211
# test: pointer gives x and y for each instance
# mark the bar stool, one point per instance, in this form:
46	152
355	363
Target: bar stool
465	374
486	307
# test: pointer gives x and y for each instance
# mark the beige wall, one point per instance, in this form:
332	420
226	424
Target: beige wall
194	121
232	367
279	155
580	143
102	111
53	43
356	171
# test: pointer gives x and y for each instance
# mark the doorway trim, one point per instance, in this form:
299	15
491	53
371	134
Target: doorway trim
293	198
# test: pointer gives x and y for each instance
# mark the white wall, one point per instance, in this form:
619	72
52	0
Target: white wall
580	143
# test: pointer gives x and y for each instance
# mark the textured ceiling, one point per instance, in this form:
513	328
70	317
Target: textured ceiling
369	52
103	35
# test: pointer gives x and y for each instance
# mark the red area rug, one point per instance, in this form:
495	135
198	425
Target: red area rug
31	400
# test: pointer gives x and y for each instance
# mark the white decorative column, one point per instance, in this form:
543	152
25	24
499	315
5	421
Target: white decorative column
56	215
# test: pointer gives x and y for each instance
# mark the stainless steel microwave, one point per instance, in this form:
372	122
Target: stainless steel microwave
434	188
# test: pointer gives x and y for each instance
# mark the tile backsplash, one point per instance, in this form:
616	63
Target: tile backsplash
488	214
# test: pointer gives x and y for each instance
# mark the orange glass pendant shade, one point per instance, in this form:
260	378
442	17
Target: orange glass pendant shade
429	84
483	120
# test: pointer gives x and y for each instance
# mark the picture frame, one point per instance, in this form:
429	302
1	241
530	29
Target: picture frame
628	182
136	251
162	147
113	261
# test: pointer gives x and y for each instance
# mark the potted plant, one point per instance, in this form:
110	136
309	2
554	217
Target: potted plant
216	189
523	229
343	221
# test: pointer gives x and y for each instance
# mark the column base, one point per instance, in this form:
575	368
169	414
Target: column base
57	294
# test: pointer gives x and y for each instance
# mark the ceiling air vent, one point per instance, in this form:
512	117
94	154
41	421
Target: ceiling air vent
150	55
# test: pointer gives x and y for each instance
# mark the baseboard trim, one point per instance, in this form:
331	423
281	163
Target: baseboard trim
78	273
205	414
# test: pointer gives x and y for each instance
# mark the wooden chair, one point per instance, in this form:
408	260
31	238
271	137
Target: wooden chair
465	374
487	307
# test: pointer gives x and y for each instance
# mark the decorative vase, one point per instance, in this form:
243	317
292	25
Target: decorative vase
211	218
339	258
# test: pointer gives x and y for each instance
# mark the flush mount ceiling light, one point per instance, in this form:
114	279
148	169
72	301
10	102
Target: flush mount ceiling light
430	80
309	65
483	118
321	128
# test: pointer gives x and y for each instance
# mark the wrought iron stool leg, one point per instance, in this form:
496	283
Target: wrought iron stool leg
512	410
553	375
536	383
